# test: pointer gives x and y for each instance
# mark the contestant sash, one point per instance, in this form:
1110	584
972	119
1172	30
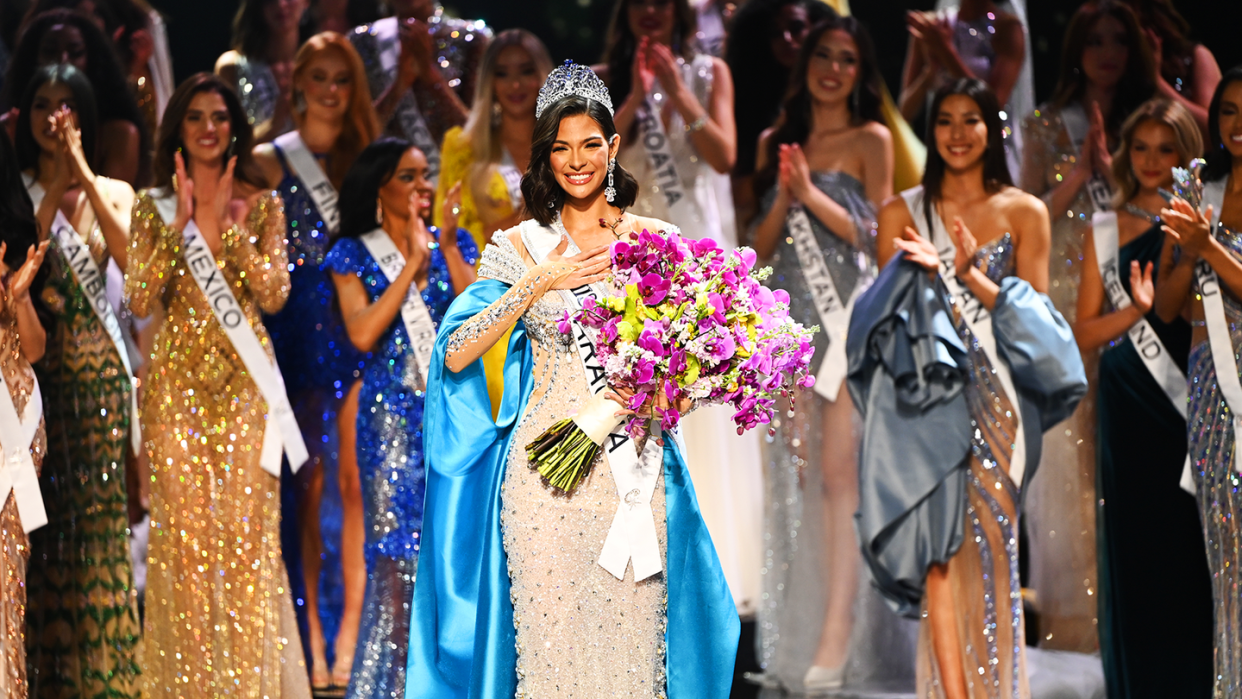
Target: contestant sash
307	169
281	434
834	314
77	256
976	316
1219	341
413	124
655	143
418	324
633	533
1077	126
17	470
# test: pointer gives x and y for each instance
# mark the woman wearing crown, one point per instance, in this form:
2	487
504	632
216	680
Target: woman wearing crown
511	599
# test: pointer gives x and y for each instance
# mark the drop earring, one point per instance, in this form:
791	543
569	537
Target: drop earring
610	192
379	213
497	112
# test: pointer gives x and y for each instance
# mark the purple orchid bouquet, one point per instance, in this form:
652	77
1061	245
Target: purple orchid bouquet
691	321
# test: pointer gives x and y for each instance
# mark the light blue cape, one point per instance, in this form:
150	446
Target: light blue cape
461	629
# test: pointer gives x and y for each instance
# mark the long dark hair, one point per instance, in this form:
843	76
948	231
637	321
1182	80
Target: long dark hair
543	194
1219	159
1176	48
84	106
373	168
251	35
759	80
170	130
621	45
115	101
18	227
995	168
794	124
1137	83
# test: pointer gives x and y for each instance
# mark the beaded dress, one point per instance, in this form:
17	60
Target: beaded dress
219	616
390	464
259	93
983	574
794	568
82	625
1211	442
14	545
1060	505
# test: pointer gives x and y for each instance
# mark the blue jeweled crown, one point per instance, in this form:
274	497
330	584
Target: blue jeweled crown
572	79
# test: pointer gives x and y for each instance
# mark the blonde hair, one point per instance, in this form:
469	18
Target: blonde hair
480	130
1189	142
361	125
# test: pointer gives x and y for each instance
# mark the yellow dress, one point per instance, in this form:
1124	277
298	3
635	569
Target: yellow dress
456	159
219	616
14	546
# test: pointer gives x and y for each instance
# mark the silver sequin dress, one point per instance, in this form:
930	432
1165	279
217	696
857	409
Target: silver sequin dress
258	91
580	632
794	571
1060	504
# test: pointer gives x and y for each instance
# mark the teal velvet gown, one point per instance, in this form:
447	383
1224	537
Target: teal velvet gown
509	599
1155	591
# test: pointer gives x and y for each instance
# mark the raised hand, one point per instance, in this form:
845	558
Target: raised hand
1142	290
664	66
587	267
185	194
20	281
791	155
1157	53
967	246
450	209
418	237
642	76
1190	228
918	249
1102	159
224	196
70	139
416	52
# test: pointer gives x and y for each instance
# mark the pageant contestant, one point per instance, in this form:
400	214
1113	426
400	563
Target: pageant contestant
1106	73
1148	528
549	620
939	516
83	624
259	65
1202	258
820	170
395	278
209	244
22	437
334	122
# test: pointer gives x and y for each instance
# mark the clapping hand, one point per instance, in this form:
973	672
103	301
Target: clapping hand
19	283
1191	228
794	170
918	249
642	73
450	209
967	246
1097	144
70	139
419	237
664	65
1142	289
416	52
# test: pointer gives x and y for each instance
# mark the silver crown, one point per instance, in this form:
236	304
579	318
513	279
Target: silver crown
572	79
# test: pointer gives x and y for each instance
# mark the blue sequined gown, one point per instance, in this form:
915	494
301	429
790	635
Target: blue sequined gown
318	364
390	463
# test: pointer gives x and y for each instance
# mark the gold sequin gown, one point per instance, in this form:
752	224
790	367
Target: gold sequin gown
14	545
580	631
219	615
1060	505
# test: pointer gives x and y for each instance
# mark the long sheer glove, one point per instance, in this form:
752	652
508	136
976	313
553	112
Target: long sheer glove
477	335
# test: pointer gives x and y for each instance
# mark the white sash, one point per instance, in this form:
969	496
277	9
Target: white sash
655	143
633	533
1145	340
77	256
513	179
1218	326
17	470
281	432
834	317
418	324
1077	126
977	317
307	169
413	124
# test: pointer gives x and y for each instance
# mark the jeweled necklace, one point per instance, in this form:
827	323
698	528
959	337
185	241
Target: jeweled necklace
1132	209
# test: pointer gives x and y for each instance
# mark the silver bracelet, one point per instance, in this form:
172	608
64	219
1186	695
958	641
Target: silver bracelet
697	125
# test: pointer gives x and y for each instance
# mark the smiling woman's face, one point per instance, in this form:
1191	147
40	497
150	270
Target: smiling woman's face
1229	117
206	130
961	133
1153	154
580	156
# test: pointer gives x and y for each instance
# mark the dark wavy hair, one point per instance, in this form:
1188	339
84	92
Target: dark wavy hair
794	124
1177	49
375	165
543	194
1219	159
759	80
84	106
169	139
251	35
19	228
1137	83
621	45
115	101
995	168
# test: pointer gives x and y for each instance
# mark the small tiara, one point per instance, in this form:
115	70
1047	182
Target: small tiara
572	79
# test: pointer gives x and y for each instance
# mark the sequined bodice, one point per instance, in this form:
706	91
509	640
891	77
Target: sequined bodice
997	258
258	91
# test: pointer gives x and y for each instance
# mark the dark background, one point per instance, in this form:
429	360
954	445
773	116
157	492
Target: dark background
199	30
